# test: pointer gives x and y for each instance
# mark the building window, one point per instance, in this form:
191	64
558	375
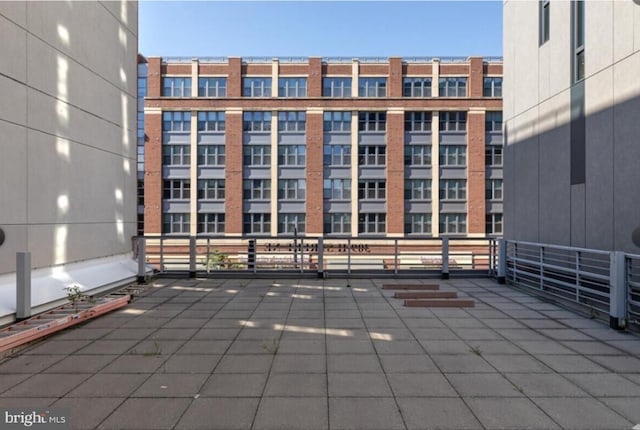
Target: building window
417	87
211	121
337	223
256	155
211	223
212	87
177	189
256	87
417	155
492	87
417	224
256	121
372	155
544	11
292	189
493	155
494	189
453	87
292	121
577	14
453	223
372	87
453	189
337	189
453	121
291	223
210	189
176	87
257	189
372	190
259	223
372	223
211	155
176	121
372	121
337	121
453	155
176	155
291	155
494	224
417	189
336	87
292	87
176	223
493	122
337	155
417	121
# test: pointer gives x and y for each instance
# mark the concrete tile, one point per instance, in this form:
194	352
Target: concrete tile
88	413
407	363
398	347
500	323
135	364
521	334
364	414
182	334
109	385
627	407
46	385
299	363
422	321
570	364
295	346
445	346
469	322
219	414
204	347
257	334
257	346
256	363
100	347
190	363
293	413
296	385
392	334
353	363
129	333
81	364
428	334
146	414
377	324
20	402
235	385
582	413
358	385
349	346
83	333
522	413
171	385
477	334
496	347
605	384
545	385
591	348
8	381
462	363
543	347
630	346
483	385
217	334
29	364
420	385
543	323
516	363
344	323
422	413
156	347
56	347
618	363
565	334
190	319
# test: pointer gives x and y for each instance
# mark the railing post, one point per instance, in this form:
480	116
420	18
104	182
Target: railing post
142	260
251	255
502	261
192	256
320	258
349	256
445	258
162	254
617	291
395	256
23	285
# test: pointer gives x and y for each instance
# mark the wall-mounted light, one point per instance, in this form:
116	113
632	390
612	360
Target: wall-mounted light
1	237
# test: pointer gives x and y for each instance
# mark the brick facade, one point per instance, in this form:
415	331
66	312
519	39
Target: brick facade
476	199
314	173
395	174
233	174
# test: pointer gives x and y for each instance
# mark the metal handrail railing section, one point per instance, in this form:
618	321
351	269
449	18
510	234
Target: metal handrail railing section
632	267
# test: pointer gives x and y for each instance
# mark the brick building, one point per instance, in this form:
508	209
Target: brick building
322	146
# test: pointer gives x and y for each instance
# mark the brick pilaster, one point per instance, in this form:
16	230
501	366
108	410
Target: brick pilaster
395	172
153	173
476	203
154	77
234	78
314	81
394	85
315	167
233	173
476	80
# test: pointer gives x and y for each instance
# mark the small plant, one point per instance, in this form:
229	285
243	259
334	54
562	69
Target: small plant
271	346
216	260
75	295
476	350
519	388
157	350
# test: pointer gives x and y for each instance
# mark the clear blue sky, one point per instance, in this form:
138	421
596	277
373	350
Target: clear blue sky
324	28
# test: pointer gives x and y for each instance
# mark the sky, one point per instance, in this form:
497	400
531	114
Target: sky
320	28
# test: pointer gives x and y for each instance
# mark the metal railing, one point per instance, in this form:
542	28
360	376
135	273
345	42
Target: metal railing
632	266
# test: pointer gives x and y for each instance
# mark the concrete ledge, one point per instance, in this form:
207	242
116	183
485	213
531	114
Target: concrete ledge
440	303
426	295
431	287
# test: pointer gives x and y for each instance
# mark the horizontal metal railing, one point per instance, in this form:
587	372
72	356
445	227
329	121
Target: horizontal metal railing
632	266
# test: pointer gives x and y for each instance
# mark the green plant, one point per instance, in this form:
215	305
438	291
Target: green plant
476	350
216	260
271	346
157	350
75	295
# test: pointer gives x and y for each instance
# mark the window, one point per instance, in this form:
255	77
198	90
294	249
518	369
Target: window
337	189
494	224
291	223
417	189
417	224
337	223
492	87
256	155
372	190
493	155
292	189
212	87
257	223
417	87
291	155
292	87
493	122
292	121
176	121
577	15
256	121
211	121
453	87
177	189
453	189
211	155
176	155
337	121
176	87
372	155
372	223
494	189
372	87
453	121
256	87
177	223
257	189
417	155
453	223
453	155
417	121
210	189
544	10
372	121
337	155
211	223
336	87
